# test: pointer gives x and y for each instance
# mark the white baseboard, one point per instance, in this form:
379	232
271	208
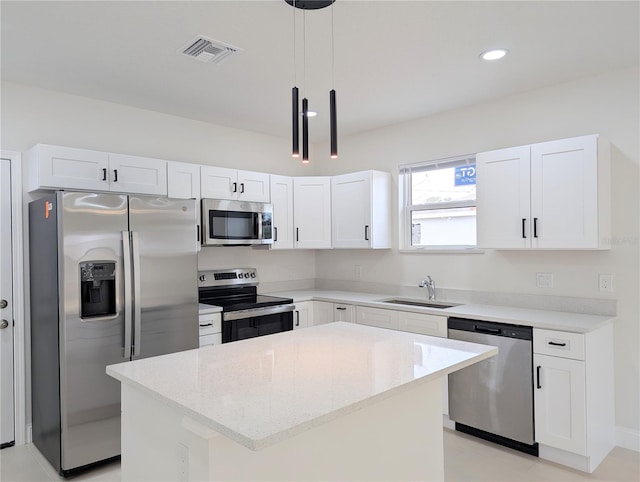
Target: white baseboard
628	438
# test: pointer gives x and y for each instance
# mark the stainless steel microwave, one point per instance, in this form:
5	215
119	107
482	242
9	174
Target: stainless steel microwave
236	223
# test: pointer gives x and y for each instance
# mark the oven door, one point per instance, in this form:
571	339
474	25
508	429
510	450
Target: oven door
240	325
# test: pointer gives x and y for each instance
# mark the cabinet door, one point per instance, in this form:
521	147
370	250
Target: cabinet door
502	198
560	403
312	212
218	183
351	210
282	200
139	175
377	317
254	186
303	315
322	312
67	168
342	312
183	180
564	193
422	323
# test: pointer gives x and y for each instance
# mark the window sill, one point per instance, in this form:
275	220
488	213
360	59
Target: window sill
442	251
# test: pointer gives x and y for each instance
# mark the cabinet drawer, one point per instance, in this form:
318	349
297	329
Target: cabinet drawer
559	343
213	339
210	323
422	323
343	312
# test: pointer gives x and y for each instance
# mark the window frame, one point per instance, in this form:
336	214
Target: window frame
406	209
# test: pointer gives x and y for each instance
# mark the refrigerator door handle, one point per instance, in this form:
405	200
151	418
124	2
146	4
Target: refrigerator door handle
137	311
126	268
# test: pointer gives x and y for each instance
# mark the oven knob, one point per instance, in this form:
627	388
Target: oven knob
203	277
246	275
240	275
253	275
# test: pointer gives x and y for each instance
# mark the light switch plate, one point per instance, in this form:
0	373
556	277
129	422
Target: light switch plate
605	283
544	280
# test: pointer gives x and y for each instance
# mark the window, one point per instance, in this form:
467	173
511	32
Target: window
438	204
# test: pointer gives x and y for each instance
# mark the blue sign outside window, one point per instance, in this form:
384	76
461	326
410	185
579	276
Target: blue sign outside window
465	175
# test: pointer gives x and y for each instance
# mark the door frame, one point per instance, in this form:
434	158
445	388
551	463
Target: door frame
19	345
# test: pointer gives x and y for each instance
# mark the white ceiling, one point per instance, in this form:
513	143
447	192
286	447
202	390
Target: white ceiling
394	60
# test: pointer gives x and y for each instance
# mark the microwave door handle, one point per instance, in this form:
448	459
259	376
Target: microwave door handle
259	227
137	309
126	284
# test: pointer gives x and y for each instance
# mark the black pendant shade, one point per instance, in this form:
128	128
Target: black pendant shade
333	127
309	4
305	130
295	119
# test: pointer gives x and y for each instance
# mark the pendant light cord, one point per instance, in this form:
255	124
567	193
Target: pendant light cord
333	63
295	70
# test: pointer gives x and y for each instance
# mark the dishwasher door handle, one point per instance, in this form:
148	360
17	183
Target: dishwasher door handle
488	331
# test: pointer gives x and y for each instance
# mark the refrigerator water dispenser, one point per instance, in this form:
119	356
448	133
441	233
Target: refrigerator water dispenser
97	289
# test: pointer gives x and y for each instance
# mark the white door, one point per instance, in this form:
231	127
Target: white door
559	401
254	187
322	312
6	308
312	212
564	193
218	183
282	200
139	175
351	210
502	198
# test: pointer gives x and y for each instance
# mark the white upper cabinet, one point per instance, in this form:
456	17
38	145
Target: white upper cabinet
551	195
56	167
361	210
183	180
312	212
282	200
140	175
223	183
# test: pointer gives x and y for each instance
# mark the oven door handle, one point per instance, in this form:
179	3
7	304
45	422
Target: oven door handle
254	312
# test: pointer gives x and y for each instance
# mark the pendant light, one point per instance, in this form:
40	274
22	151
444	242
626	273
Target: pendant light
311	5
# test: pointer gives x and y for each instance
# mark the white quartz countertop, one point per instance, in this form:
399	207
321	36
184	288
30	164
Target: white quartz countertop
544	319
266	389
204	309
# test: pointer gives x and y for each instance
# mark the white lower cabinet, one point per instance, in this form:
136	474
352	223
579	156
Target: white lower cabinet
422	323
210	329
343	312
574	396
377	317
303	314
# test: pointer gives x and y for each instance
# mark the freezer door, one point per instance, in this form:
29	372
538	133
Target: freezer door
91	329
164	259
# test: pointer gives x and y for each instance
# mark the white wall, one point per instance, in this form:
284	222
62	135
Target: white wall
605	105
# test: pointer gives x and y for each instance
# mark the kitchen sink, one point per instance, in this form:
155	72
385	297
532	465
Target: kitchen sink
423	304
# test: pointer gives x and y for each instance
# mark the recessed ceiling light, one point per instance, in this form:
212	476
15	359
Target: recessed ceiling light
493	54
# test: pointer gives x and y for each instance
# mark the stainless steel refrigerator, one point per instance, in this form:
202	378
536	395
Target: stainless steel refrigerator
113	278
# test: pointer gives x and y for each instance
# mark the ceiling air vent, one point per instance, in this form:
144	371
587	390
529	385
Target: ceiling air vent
208	50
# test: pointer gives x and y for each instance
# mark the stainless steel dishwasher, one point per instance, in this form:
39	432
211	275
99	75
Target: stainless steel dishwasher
493	399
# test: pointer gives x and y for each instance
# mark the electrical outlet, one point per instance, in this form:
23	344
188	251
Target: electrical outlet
605	283
544	280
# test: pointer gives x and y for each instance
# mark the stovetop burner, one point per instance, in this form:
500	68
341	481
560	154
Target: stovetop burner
234	290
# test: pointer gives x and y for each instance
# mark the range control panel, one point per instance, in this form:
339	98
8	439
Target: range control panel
228	277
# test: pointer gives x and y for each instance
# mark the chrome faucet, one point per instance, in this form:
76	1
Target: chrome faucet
431	287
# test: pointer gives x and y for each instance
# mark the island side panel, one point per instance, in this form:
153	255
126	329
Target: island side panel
398	438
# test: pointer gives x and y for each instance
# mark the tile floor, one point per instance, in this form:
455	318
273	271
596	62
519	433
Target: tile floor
467	459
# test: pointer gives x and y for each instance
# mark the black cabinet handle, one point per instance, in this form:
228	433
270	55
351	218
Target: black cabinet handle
115	175
538	386
297	318
275	234
297	237
241	187
524	221
554	343
535	227
341	308
235	187
198	233
104	173
366	233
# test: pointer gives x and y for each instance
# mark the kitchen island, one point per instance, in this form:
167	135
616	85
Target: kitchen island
334	402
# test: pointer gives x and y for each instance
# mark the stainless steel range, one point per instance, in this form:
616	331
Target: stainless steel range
245	313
